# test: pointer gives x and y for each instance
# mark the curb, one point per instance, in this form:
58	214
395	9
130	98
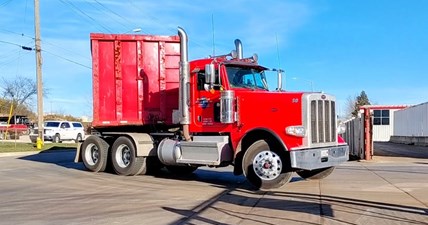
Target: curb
10	154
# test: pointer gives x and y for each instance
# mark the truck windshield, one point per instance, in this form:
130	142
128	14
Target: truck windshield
246	77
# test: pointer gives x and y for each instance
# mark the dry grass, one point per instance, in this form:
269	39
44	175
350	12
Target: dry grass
25	147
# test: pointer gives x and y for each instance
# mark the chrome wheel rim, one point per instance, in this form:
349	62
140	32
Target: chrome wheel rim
123	156
267	165
92	154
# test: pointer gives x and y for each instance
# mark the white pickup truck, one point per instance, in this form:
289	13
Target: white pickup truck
58	131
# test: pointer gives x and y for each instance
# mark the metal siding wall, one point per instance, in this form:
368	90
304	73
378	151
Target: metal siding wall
384	132
412	121
354	136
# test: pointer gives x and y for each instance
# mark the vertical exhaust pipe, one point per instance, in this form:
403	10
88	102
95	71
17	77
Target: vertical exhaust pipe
239	51
184	86
279	88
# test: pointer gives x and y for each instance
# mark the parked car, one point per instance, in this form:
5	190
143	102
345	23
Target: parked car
58	131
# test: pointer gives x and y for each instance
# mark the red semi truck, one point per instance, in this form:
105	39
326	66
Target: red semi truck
152	108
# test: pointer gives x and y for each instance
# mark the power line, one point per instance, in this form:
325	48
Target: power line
173	29
21	46
13	32
45	42
85	14
18	61
69	60
65	49
12	57
25	11
31	48
5	3
6	42
116	14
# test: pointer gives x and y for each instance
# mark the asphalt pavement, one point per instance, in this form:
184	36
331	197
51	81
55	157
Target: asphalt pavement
49	188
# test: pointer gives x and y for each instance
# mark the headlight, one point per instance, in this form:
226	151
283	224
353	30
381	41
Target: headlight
298	131
341	128
48	131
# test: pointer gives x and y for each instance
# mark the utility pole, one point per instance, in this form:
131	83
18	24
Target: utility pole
39	73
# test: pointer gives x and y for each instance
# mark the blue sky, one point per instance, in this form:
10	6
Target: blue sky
341	47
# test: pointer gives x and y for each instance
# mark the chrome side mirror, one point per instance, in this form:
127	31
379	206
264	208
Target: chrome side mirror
209	74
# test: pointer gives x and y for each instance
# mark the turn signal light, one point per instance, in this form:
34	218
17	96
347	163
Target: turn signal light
298	131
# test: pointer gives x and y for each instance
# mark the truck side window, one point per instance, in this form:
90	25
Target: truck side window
201	81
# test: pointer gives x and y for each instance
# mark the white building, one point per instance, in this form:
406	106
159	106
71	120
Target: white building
411	125
382	120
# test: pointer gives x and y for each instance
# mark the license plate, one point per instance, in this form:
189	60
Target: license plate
324	153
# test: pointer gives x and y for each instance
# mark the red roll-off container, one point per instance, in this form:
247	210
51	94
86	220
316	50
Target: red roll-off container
135	79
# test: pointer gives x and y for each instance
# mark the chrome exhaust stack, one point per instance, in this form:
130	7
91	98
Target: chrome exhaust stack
239	50
184	87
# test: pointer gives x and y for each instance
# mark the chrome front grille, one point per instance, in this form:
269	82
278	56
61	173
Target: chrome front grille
323	121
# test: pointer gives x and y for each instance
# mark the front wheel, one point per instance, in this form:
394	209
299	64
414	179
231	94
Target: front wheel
263	168
57	138
78	138
315	174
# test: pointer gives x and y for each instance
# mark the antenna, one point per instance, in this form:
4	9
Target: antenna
277	51
279	66
212	26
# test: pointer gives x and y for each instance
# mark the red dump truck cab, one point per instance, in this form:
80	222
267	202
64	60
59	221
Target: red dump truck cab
153	108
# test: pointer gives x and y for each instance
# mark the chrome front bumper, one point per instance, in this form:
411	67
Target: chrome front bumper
311	159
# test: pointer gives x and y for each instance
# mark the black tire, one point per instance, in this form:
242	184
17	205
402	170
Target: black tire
181	170
94	153
275	176
78	138
316	174
56	138
124	157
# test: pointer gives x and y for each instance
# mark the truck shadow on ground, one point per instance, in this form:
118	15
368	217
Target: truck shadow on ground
64	157
59	156
327	207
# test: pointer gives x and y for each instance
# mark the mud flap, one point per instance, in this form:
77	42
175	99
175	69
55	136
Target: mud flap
78	157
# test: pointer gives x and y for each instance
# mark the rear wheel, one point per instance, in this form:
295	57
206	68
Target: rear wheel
94	154
264	168
124	158
316	174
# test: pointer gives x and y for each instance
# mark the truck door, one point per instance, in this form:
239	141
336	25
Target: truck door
207	107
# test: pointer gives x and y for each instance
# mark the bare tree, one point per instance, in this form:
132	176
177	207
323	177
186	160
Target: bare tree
350	105
353	103
19	90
